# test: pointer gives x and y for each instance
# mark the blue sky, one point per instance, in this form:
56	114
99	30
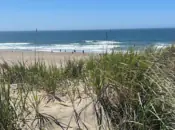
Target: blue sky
85	14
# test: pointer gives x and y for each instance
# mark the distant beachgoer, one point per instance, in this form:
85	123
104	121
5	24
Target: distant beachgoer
74	50
60	50
64	50
83	51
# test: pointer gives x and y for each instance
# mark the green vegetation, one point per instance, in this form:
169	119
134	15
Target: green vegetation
135	90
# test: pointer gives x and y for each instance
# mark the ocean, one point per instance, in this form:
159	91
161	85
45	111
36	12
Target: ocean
87	40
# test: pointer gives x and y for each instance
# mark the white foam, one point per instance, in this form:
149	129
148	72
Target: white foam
106	42
160	45
13	44
96	46
98	42
89	41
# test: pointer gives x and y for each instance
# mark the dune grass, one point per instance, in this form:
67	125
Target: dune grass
135	90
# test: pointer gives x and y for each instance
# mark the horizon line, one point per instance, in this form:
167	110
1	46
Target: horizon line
143	28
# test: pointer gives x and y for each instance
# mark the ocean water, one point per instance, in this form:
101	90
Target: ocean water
87	40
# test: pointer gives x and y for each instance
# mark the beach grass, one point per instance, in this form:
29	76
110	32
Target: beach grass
133	90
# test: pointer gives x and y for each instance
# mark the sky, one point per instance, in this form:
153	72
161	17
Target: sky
85	14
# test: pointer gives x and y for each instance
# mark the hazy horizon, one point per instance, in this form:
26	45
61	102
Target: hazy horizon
89	29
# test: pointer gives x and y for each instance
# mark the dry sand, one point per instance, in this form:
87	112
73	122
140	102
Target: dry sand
30	56
63	111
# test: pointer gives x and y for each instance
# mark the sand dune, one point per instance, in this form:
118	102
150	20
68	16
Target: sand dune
65	110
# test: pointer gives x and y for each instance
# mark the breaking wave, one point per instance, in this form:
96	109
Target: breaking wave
87	46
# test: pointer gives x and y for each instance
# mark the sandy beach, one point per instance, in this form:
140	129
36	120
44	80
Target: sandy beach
30	56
